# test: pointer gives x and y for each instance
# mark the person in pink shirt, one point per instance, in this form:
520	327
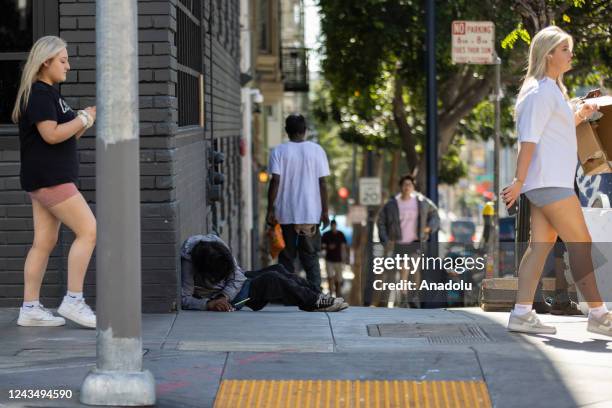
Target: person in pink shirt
404	223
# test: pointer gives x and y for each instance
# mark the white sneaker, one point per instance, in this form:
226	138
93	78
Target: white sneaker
529	323
603	325
38	316
79	312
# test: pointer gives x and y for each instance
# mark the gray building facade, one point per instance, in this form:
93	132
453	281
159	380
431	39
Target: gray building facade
189	88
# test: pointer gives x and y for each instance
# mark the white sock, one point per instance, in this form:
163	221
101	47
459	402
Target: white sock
74	296
30	305
520	310
597	312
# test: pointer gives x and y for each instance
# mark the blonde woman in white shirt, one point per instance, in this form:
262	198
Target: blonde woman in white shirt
546	125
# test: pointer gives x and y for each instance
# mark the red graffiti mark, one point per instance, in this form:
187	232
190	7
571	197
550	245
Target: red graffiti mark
163	388
195	371
181	372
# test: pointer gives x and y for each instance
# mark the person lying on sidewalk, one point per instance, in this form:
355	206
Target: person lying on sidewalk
226	287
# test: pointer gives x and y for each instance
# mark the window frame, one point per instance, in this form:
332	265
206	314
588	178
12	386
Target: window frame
264	23
197	41
45	21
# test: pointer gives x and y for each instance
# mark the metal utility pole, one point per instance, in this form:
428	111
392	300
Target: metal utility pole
432	107
368	274
118	378
439	298
496	148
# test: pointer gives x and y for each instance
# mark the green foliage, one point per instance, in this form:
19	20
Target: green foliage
338	149
452	168
514	35
368	43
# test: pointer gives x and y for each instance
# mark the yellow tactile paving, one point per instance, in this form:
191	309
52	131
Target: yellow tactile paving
354	394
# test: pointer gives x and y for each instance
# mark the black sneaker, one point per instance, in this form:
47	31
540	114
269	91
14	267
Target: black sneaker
328	304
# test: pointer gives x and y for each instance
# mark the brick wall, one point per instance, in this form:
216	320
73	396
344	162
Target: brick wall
173	161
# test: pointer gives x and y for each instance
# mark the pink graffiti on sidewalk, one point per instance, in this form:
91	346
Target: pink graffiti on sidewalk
165	387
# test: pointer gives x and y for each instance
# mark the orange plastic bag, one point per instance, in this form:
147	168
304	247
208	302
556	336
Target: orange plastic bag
276	240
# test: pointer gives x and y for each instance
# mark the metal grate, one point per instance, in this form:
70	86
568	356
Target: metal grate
188	99
188	42
434	333
295	69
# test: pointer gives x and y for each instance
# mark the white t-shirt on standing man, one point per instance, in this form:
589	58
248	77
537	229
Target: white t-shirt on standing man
299	165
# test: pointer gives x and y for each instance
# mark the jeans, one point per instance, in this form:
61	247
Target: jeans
307	248
275	284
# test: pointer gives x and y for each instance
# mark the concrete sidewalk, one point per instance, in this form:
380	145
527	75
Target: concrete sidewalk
190	353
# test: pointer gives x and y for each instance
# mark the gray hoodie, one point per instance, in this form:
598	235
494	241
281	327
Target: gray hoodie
229	287
389	226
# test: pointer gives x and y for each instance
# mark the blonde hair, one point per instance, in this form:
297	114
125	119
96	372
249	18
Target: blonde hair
544	42
43	50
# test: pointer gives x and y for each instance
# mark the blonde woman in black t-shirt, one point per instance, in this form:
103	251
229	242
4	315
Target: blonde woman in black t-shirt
48	133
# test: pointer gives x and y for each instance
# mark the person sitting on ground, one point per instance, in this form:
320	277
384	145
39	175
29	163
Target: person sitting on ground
225	287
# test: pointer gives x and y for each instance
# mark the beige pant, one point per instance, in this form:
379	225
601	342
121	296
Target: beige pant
334	270
400	297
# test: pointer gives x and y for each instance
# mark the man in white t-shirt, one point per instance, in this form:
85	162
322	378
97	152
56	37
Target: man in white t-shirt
297	198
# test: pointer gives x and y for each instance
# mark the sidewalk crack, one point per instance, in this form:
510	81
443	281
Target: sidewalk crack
332	331
163	345
484	377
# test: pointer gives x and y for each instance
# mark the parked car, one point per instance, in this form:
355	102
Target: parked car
462	232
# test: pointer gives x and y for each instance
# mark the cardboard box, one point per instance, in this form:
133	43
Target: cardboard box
595	140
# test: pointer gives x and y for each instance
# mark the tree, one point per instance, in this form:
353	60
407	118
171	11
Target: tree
374	64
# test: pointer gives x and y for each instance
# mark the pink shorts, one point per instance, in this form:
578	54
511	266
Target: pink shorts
51	196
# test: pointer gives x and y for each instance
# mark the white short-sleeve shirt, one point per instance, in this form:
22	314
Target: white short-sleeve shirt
545	117
299	165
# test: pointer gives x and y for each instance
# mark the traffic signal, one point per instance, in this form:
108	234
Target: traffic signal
343	193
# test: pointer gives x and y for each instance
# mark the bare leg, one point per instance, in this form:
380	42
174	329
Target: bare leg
543	237
46	228
76	214
568	220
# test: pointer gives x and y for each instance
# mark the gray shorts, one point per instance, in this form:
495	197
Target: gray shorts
548	195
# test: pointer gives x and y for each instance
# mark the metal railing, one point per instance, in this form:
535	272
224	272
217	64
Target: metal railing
295	69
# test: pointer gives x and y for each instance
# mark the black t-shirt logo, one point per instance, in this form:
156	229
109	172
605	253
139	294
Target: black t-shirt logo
64	106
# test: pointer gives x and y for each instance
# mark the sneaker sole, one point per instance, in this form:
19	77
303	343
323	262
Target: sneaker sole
39	323
76	320
598	331
531	331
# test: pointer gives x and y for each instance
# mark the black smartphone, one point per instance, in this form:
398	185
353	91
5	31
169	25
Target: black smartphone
513	208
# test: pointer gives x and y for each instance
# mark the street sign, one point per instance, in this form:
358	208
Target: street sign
473	42
369	191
